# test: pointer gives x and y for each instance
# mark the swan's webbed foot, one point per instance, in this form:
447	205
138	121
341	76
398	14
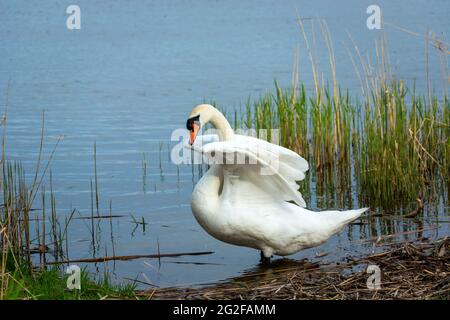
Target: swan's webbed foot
263	259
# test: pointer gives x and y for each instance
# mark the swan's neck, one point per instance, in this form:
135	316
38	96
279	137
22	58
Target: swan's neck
222	126
205	196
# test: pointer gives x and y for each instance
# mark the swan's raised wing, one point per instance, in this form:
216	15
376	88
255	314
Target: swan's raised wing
291	166
256	169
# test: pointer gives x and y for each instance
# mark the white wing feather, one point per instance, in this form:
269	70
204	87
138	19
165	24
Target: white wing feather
278	168
291	166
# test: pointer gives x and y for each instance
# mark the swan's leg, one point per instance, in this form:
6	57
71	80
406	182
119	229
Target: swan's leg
264	260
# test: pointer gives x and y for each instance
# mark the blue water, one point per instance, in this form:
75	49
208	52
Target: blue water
130	76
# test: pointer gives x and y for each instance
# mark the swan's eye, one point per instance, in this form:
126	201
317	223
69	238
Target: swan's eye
190	122
213	154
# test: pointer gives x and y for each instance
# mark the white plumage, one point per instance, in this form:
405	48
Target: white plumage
249	196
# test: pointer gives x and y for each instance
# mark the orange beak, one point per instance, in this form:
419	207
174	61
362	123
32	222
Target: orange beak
193	133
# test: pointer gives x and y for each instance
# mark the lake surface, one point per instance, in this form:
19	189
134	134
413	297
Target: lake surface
131	75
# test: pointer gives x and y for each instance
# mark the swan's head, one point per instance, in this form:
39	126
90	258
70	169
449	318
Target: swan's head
199	116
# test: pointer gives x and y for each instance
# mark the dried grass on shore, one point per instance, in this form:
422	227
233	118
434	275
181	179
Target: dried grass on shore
409	271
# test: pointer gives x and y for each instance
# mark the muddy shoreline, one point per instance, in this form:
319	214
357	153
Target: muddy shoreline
409	270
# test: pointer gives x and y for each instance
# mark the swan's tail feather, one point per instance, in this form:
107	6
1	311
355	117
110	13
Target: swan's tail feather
336	220
351	215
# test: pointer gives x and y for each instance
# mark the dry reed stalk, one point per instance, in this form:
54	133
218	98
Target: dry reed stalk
132	257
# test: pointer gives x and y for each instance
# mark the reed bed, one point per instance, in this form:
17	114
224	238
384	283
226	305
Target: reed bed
389	146
395	151
18	241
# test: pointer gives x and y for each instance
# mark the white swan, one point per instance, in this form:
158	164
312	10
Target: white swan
245	202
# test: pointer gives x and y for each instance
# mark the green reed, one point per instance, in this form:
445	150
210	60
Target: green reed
21	276
389	145
17	197
396	147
